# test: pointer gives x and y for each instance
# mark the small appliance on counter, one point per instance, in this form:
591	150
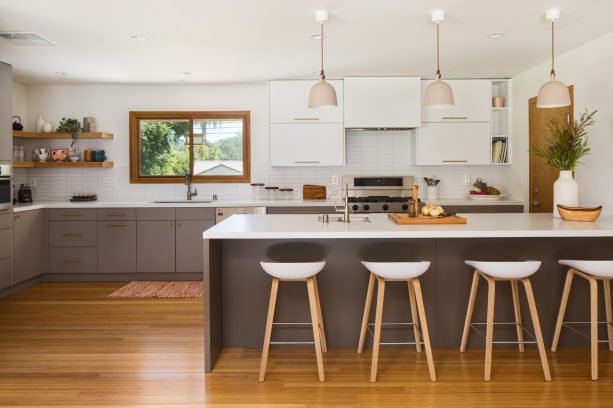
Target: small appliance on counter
24	195
79	198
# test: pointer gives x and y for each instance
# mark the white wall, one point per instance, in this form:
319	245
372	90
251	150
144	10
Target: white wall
368	153
19	101
589	69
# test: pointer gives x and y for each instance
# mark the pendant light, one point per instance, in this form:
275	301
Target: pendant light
322	94
438	94
553	93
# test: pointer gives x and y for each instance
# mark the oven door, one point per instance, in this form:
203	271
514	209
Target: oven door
5	193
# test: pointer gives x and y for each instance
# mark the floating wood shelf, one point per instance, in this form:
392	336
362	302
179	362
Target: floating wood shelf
53	164
42	135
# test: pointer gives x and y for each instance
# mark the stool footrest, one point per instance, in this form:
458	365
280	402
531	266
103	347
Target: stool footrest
396	324
480	333
579	332
292	342
291	324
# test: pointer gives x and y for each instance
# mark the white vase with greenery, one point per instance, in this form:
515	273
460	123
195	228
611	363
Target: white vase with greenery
568	144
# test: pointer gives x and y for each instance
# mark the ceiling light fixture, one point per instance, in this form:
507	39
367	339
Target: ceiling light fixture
137	37
438	94
495	35
187	73
59	73
322	94
553	93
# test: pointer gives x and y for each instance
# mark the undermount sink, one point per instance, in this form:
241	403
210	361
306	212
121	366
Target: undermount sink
183	201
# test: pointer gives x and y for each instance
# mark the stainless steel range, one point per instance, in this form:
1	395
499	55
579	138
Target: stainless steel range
378	194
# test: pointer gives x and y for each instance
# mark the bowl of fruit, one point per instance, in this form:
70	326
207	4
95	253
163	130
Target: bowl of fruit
480	190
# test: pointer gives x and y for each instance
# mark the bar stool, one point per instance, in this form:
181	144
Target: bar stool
512	272
592	271
299	271
396	271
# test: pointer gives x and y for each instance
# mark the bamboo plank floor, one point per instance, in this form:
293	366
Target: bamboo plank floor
67	345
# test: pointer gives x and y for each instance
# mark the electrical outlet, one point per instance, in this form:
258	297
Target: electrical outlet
33	182
333	192
520	180
467	181
335	180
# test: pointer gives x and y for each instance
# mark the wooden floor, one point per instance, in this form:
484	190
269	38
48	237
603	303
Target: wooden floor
68	345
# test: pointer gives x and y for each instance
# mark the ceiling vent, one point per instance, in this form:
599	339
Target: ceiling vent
25	38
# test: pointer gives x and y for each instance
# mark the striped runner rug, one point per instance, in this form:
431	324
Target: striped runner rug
160	289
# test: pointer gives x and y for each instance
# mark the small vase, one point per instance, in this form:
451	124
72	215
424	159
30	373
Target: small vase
40	122
565	191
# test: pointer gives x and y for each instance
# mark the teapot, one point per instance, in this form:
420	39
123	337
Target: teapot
17	124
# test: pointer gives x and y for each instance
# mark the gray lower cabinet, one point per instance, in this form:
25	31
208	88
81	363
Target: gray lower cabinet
73	260
29	243
116	246
155	248
189	244
6	273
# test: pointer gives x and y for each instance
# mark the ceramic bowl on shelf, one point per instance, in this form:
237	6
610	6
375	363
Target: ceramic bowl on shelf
59	154
42	154
73	159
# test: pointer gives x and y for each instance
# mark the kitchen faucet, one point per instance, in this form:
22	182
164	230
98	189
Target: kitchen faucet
188	183
345	209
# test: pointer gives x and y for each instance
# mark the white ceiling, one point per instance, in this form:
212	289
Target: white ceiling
241	41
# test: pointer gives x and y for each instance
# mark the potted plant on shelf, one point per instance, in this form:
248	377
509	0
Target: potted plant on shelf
72	127
568	145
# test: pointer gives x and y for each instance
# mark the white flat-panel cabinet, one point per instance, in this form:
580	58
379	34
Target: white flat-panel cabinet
453	144
307	144
382	102
472	99
289	103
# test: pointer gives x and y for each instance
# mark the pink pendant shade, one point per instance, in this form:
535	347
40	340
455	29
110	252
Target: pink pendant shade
438	93
553	93
322	94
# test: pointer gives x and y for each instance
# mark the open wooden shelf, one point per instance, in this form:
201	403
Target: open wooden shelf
54	164
41	135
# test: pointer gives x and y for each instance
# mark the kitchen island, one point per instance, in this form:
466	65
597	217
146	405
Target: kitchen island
237	289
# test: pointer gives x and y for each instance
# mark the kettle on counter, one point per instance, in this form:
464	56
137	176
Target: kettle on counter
17	124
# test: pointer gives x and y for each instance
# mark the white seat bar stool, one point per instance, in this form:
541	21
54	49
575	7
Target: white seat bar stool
295	271
408	272
513	272
592	271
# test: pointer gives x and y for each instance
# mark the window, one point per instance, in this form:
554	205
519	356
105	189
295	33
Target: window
213	147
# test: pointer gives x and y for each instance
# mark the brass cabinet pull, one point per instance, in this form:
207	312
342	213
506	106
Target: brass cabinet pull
455	117
115	214
306	162
4	209
72	260
115	225
71	214
17	217
455	161
71	234
306	118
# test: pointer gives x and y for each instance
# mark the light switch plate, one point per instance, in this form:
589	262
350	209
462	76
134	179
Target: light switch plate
334	180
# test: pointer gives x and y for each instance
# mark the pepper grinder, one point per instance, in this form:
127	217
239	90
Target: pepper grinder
415	196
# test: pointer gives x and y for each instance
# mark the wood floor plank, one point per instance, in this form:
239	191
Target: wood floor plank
67	345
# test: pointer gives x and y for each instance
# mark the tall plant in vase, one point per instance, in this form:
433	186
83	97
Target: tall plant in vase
569	143
72	127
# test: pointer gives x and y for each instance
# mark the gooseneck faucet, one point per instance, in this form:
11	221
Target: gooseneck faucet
188	183
345	209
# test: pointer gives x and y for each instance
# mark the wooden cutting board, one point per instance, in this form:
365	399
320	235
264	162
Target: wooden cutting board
404	219
313	192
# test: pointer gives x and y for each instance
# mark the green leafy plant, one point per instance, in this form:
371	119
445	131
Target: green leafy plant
569	143
71	126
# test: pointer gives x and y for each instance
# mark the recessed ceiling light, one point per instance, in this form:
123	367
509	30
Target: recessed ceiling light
137	37
316	37
181	80
60	73
187	73
495	35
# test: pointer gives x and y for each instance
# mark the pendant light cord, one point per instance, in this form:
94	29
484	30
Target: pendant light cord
552	74
438	68
321	74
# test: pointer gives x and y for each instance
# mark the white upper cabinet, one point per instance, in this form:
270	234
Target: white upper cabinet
307	144
453	144
382	102
289	100
472	99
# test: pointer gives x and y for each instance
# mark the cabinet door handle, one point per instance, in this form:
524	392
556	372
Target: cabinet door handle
455	161
455	117
72	261
115	225
4	209
115	214
306	118
71	234
17	217
306	162
71	214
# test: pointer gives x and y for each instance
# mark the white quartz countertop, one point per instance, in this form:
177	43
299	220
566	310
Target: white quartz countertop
478	226
227	203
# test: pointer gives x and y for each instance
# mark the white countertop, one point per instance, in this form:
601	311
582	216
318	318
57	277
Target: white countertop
478	226
228	203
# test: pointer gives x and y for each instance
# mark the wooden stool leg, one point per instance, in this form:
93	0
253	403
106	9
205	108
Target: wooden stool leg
469	310
378	321
517	310
271	314
424	327
563	303
322	332
414	316
594	325
489	333
607	302
367	305
315	324
537	327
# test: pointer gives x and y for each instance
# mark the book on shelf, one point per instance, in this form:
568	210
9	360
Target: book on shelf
500	151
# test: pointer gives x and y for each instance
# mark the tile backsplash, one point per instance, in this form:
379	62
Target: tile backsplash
368	153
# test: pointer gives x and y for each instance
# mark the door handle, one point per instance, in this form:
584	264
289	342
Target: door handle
536	190
68	214
115	214
71	234
455	117
306	118
115	225
535	203
72	261
306	162
455	161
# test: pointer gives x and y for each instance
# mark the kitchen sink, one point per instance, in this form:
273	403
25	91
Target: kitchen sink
183	202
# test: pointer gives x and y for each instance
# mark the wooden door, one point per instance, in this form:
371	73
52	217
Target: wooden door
542	177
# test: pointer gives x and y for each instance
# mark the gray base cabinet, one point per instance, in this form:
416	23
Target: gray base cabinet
189	244
29	242
116	246
155	246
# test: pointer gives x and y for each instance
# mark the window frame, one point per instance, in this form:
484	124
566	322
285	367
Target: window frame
137	116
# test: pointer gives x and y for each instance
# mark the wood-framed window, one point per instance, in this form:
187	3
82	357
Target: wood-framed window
213	147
